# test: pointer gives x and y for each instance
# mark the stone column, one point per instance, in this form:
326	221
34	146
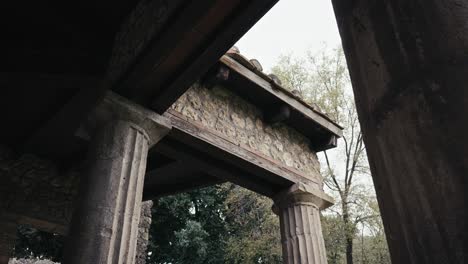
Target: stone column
104	227
7	239
408	64
301	231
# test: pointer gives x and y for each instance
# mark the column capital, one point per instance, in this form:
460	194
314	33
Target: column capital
116	108
302	193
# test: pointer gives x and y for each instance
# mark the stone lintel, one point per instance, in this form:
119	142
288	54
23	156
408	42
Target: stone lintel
117	108
303	193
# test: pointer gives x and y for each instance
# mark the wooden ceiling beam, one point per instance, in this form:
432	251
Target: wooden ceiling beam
193	41
154	67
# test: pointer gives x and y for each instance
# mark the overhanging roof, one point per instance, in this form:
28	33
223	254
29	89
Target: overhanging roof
261	90
58	59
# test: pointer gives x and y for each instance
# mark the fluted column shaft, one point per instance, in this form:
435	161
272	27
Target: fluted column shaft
301	230
105	224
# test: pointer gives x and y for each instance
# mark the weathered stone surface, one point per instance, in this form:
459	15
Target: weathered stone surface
256	64
227	113
301	230
275	79
143	232
7	239
35	192
234	49
407	61
139	28
105	223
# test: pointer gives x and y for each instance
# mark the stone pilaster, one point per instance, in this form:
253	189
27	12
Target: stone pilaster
301	231
7	239
105	224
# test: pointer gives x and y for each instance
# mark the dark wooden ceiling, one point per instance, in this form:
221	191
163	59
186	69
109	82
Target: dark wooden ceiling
58	59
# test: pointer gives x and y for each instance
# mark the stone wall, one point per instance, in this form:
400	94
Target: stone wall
36	192
143	232
221	110
42	196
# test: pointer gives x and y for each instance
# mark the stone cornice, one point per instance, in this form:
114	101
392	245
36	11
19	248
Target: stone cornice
301	193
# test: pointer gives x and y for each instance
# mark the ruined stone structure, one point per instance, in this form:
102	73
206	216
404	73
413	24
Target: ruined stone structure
211	134
86	96
223	111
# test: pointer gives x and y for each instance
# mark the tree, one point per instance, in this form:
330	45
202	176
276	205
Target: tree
326	84
219	224
189	228
191	243
333	230
254	232
372	245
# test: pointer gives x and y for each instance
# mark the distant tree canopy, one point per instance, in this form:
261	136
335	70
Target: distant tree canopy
219	224
189	227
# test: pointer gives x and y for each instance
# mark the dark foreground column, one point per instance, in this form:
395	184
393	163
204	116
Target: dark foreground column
301	231
408	62
105	224
7	239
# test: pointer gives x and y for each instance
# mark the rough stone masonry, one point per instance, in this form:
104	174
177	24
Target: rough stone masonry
217	109
221	110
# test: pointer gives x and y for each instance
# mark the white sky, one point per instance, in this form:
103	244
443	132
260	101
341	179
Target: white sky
291	26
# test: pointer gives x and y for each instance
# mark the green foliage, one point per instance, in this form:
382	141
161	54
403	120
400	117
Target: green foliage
333	230
254	233
191	244
294	76
189	228
220	224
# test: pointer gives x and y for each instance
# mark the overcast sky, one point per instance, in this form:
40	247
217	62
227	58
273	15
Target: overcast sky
294	26
291	26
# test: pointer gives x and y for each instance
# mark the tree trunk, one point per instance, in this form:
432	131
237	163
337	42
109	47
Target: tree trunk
349	249
349	232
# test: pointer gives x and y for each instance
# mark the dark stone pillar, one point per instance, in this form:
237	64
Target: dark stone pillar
7	239
301	230
408	65
105	225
